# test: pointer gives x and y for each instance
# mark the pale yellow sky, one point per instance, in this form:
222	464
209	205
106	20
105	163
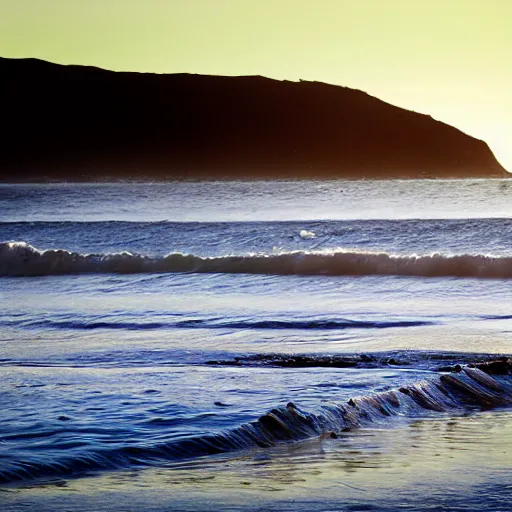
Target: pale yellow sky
446	58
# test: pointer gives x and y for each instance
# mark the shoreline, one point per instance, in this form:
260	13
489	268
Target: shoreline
227	179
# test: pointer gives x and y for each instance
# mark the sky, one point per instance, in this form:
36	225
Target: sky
446	58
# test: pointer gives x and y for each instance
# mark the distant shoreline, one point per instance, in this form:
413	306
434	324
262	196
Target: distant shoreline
192	179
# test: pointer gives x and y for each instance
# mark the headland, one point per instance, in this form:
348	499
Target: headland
85	123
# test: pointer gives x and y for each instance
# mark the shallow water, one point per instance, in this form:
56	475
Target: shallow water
448	463
301	291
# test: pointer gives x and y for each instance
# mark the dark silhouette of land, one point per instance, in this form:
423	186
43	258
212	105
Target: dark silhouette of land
76	122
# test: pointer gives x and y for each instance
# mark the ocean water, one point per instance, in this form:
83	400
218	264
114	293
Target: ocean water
255	345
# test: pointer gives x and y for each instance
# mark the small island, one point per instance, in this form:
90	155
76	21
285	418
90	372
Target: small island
85	123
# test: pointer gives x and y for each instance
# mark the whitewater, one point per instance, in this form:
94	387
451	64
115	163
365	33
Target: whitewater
285	345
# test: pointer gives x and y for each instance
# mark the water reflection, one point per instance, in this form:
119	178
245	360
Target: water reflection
448	463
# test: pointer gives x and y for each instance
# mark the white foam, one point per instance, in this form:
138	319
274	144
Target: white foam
307	235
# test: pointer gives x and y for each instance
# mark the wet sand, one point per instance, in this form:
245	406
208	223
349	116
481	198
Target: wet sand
438	463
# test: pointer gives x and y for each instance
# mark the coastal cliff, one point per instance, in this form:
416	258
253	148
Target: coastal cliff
77	122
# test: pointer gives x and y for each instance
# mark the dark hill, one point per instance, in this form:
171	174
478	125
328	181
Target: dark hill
76	122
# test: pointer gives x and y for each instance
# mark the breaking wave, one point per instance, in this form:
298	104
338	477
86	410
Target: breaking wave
483	385
22	259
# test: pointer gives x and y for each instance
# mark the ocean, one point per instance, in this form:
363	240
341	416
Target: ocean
255	345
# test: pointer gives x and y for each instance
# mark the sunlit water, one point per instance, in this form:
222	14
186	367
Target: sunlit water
106	367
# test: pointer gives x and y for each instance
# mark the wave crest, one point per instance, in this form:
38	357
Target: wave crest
22	259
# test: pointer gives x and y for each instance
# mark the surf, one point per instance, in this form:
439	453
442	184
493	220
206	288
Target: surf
20	259
473	387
